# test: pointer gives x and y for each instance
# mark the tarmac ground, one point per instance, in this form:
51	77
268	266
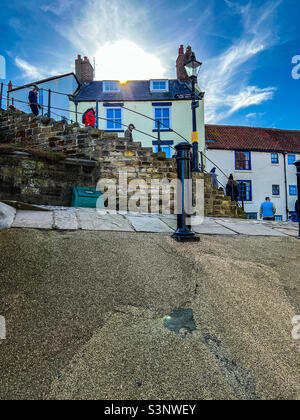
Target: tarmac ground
128	315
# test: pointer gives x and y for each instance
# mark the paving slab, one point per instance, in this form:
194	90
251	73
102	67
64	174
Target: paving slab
149	224
210	227
290	232
33	219
248	228
7	216
171	222
65	220
95	220
207	227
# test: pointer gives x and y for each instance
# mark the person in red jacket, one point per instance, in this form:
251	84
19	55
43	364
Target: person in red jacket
90	118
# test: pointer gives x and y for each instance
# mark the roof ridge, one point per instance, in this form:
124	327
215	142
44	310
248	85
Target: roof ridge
251	127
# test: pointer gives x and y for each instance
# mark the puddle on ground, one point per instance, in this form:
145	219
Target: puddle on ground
181	321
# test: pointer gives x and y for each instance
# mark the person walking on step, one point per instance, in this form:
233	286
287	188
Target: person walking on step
33	101
90	117
268	210
128	132
232	188
214	181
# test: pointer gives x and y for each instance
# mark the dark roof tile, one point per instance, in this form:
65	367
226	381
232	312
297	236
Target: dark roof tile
136	90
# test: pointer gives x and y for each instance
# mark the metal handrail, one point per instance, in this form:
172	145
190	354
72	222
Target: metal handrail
82	113
76	112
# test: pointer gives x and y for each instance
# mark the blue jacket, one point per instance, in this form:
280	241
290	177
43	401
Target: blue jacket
267	209
32	97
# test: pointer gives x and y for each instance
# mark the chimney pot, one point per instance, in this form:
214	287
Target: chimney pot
85	59
79	57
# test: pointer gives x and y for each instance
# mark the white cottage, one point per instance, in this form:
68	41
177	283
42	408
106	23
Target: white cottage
260	158
119	104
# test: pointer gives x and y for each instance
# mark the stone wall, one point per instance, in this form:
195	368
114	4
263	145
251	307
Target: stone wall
44	133
38	180
218	205
35	179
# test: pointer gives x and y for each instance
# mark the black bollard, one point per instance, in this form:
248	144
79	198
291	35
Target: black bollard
183	232
297	164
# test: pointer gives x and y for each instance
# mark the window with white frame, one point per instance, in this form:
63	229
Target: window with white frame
162	114
111	86
167	149
275	158
159	85
252	216
242	161
293	190
276	190
245	190
114	119
291	159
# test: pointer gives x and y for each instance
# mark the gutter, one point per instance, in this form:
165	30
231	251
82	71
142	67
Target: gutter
286	187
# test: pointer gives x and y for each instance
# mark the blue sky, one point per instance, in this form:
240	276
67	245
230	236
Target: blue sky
246	47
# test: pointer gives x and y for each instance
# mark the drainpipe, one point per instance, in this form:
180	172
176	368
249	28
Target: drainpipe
286	188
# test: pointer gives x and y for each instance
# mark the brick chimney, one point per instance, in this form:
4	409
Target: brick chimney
84	70
182	58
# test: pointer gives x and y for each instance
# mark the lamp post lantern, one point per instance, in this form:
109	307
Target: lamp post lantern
192	68
297	164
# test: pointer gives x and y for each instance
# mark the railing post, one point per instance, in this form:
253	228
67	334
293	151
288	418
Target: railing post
97	114
183	232
243	194
49	103
202	162
158	136
1	93
76	111
297	164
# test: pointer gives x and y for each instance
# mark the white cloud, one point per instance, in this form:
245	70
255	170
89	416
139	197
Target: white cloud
31	72
225	78
105	29
255	114
58	8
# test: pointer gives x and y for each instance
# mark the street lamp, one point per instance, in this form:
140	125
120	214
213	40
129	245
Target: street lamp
192	68
297	164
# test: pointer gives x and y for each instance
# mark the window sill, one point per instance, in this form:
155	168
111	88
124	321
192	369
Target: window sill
162	130
114	131
246	171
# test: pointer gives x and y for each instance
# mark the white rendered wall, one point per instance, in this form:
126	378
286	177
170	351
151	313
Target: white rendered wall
181	120
263	175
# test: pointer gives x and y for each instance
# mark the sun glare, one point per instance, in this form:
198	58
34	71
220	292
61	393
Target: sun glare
124	60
